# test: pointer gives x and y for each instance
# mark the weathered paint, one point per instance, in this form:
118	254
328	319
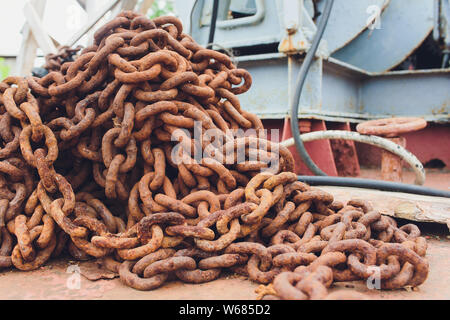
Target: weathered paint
339	92
404	26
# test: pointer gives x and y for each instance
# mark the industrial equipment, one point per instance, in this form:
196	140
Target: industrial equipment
377	59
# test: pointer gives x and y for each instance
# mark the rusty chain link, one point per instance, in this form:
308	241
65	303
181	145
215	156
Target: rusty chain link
88	164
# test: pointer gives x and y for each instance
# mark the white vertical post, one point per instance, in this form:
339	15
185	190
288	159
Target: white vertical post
40	35
91	10
27	53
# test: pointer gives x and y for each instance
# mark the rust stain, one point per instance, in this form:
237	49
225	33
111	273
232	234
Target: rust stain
441	110
343	152
286	45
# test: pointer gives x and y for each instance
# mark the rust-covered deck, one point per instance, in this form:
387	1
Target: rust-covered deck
51	281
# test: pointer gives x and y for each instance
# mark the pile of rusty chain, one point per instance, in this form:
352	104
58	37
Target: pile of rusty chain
88	166
54	61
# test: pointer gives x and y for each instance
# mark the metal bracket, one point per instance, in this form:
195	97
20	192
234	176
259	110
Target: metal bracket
300	29
254	19
233	23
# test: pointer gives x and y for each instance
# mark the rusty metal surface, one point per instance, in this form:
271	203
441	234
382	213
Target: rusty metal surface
50	282
391	165
183	229
421	143
344	152
436	287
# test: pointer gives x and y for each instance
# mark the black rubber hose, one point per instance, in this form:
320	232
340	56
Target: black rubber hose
323	19
373	184
322	178
212	26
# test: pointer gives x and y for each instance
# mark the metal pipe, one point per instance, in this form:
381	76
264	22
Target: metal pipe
300	82
212	27
383	143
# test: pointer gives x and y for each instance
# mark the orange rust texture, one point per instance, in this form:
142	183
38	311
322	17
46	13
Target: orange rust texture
50	283
344	152
391	165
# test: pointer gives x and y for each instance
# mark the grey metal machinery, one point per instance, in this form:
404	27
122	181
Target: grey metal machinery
369	64
351	79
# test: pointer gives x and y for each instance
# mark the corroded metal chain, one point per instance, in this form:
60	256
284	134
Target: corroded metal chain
134	153
301	252
53	62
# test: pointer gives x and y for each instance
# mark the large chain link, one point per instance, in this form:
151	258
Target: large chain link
89	165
